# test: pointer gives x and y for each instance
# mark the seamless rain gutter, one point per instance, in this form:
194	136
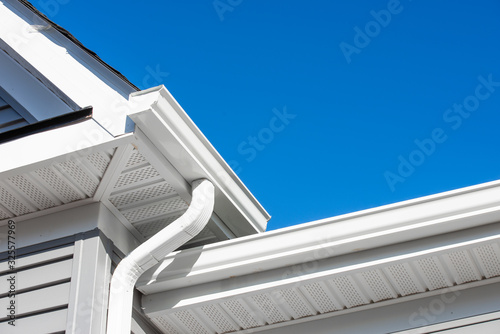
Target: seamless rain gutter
163	122
368	229
152	252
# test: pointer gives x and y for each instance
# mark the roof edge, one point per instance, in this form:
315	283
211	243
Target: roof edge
47	124
73	39
396	223
160	117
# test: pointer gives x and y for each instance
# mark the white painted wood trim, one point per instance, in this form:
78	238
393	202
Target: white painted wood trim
55	226
90	82
91	274
47	147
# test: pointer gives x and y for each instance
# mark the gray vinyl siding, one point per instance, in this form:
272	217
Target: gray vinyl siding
43	279
63	287
9	118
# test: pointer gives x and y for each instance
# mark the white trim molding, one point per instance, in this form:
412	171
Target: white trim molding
170	130
362	261
77	74
364	230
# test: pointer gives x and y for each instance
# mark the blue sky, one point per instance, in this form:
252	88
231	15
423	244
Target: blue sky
321	107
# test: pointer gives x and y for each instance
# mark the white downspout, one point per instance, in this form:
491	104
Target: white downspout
152	252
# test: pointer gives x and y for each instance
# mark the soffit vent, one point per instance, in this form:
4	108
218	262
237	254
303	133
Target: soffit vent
53	185
132	188
334	292
146	201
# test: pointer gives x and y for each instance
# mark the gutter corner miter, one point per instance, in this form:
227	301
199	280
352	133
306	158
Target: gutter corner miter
153	251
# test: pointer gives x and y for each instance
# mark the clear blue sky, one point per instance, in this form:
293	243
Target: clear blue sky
378	101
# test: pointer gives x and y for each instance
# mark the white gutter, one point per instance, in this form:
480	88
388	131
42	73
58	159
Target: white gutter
153	251
159	119
395	223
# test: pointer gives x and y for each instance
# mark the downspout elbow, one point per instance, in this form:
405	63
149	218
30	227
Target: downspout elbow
153	251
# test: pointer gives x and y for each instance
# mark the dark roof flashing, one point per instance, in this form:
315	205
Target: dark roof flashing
48	124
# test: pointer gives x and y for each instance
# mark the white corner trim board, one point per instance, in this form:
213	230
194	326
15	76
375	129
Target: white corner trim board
153	251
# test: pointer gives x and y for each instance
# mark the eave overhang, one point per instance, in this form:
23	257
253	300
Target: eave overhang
363	230
367	259
48	53
143	177
162	122
58	121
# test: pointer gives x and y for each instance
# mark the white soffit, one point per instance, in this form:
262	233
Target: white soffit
162	123
330	287
396	223
147	196
33	41
342	264
45	174
55	144
52	184
127	174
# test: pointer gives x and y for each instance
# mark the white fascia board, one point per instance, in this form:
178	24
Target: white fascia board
196	296
391	224
158	115
66	65
56	145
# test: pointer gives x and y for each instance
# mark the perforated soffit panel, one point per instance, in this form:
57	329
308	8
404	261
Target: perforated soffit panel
140	197
337	290
148	202
52	185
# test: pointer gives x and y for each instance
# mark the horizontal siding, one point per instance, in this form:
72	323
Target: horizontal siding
50	298
43	283
44	275
50	322
38	259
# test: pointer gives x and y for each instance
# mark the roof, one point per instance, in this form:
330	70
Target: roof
113	156
138	156
73	39
132	175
